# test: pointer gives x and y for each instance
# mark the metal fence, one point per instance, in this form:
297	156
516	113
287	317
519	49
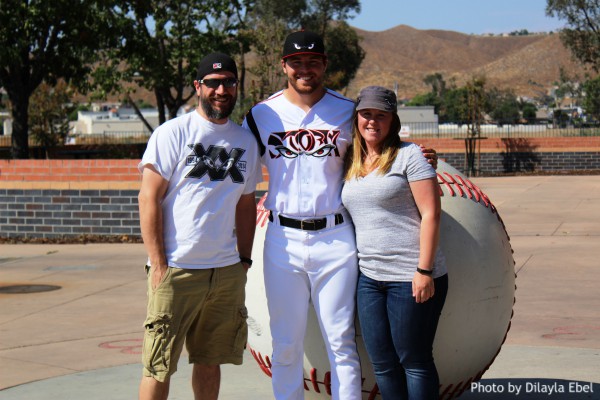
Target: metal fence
434	130
411	129
127	137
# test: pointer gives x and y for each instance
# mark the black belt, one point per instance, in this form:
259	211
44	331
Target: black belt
306	224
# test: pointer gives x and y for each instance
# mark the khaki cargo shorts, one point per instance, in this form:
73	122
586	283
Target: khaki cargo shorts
203	308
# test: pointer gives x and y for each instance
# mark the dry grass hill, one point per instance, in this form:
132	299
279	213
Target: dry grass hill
404	55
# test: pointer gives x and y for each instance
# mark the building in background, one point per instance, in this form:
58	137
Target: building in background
418	120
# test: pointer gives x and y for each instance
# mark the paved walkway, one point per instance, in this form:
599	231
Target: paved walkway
83	340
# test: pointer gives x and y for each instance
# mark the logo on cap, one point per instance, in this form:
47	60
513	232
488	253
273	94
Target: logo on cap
307	47
217	66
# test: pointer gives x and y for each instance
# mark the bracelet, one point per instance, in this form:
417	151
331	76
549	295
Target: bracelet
246	260
427	272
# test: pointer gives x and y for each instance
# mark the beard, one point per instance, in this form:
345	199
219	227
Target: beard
303	88
217	113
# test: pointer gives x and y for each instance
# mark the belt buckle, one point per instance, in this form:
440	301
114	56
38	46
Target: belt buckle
308	222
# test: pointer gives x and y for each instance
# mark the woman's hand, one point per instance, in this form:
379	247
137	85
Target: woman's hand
422	287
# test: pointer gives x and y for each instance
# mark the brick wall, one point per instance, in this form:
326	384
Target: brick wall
507	155
65	198
69	198
50	213
499	163
55	198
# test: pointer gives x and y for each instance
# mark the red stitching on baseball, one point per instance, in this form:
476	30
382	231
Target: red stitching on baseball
447	184
484	197
313	379
445	391
261	363
467	190
452	180
373	392
473	188
327	382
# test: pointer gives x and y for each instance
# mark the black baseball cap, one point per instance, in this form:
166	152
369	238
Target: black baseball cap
303	42
214	63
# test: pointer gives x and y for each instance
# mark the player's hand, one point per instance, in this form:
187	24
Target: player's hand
430	155
158	274
422	287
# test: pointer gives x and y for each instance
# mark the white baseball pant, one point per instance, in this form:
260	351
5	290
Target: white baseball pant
321	266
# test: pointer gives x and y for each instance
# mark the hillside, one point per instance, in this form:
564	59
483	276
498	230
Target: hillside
405	55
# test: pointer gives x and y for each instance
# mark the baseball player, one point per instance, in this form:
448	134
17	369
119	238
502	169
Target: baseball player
310	251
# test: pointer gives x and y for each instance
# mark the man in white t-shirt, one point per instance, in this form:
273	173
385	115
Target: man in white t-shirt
197	217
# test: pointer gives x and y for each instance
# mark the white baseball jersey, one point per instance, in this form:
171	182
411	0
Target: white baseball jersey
304	153
208	166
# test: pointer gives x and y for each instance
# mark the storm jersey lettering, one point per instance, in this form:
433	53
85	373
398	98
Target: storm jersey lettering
304	153
312	142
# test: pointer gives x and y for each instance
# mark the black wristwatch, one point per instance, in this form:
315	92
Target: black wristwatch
427	272
246	260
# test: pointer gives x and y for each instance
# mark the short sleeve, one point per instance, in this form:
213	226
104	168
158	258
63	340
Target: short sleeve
417	167
162	151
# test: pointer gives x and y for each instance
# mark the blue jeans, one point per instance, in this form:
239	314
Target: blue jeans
398	334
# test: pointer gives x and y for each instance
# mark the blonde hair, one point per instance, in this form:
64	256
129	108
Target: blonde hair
355	157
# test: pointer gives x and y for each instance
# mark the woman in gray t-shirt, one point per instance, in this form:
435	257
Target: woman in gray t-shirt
391	193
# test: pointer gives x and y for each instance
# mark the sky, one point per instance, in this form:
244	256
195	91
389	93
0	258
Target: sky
465	16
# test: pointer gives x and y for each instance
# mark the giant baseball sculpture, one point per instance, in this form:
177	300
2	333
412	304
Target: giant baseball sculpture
478	309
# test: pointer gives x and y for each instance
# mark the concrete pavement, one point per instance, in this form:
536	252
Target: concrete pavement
83	340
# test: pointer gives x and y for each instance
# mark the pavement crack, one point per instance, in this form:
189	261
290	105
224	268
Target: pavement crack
525	263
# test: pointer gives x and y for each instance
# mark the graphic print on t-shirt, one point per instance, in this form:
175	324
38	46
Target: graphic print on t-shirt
217	162
310	142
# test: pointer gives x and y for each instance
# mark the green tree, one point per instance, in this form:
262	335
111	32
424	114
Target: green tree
268	32
319	14
42	41
454	106
582	32
342	43
49	114
591	101
437	83
162	43
344	55
270	21
503	106
528	111
433	98
476	104
426	99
